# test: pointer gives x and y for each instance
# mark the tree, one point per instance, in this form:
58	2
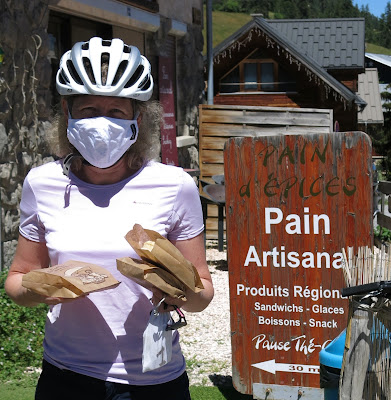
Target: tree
227	5
385	27
372	24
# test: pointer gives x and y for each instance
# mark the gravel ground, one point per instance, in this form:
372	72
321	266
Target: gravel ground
205	341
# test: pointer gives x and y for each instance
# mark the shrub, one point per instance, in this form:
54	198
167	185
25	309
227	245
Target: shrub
382	234
21	336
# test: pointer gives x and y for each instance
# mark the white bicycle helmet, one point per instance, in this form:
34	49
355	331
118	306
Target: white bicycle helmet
128	75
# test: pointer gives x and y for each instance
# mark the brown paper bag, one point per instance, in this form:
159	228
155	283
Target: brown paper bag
149	276
154	249
69	280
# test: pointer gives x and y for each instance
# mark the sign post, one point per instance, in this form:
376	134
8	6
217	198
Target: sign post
292	203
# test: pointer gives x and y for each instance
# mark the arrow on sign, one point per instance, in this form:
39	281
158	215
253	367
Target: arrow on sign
271	366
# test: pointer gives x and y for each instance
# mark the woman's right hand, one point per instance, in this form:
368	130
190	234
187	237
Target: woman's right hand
26	297
29	255
50	301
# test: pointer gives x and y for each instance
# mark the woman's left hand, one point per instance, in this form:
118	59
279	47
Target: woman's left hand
168	303
194	251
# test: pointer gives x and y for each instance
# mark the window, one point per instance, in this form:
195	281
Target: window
267	76
257	74
230	83
250	72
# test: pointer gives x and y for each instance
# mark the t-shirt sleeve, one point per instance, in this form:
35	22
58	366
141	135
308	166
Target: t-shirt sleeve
30	225
186	220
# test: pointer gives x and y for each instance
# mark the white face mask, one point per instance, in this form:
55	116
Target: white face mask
102	141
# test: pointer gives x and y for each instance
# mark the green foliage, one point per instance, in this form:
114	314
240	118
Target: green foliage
21	336
385	27
229	6
382	234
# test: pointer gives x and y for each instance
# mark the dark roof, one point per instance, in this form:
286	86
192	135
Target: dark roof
333	43
285	44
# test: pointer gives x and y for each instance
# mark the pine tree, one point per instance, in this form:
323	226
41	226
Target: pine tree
385	27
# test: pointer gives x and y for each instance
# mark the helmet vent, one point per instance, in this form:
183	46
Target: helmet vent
126	49
120	71
105	62
106	43
135	77
63	78
88	69
85	46
145	83
73	72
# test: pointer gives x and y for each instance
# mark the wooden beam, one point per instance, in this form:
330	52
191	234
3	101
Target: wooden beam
384	221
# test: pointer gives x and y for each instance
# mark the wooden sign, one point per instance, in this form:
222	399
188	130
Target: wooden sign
292	203
166	97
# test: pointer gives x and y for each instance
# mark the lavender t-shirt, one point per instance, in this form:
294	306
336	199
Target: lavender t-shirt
101	335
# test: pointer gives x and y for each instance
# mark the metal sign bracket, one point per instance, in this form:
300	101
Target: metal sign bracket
281	392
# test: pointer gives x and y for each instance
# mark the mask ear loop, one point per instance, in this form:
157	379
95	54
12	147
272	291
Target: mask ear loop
66	166
136	111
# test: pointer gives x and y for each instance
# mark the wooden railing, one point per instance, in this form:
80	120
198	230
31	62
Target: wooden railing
218	123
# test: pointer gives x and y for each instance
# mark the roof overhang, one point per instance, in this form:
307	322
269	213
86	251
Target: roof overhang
380	58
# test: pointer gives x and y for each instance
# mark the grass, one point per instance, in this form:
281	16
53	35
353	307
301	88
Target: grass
375	49
24	390
224	24
11	392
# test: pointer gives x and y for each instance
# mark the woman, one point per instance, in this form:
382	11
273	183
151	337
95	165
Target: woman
81	207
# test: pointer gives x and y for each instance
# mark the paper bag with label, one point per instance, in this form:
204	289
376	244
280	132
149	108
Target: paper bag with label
172	268
69	280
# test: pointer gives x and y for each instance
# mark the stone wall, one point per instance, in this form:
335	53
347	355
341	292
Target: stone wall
24	103
190	93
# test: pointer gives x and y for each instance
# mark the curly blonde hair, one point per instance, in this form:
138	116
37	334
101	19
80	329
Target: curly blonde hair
146	148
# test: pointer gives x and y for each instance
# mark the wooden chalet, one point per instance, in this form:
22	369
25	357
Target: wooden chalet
312	63
276	77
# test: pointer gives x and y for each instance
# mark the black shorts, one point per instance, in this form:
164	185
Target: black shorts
59	384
